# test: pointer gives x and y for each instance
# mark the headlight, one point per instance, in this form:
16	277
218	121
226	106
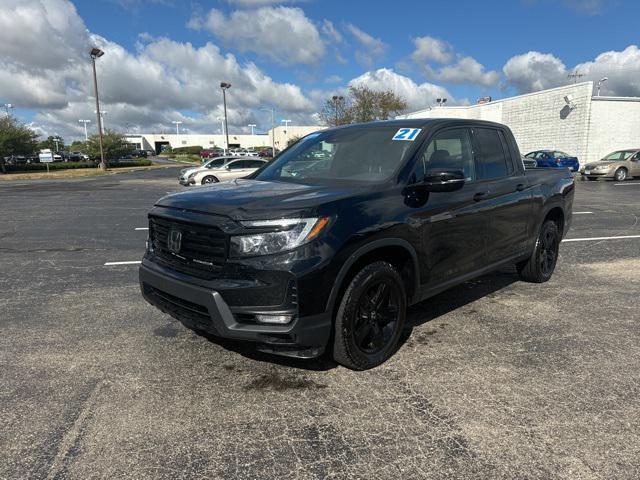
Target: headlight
289	234
191	175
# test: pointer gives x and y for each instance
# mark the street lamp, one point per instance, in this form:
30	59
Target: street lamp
7	106
337	100
252	125
102	114
86	135
225	86
600	82
177	124
273	129
56	139
97	53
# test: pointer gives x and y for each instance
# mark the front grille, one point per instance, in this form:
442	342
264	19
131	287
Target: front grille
185	311
203	248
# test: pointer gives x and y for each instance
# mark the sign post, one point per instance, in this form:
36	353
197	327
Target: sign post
46	156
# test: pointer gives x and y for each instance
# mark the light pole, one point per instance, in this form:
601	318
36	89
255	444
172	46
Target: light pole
177	124
286	125
56	139
86	135
7	106
337	101
273	129
225	86
252	125
97	53
600	82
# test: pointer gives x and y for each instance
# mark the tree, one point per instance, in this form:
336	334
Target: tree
50	143
362	105
78	146
336	111
15	139
113	143
293	140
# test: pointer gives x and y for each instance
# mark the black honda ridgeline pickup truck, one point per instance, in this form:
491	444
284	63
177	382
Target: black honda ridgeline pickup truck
325	247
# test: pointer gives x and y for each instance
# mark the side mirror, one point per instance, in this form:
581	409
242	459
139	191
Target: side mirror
442	180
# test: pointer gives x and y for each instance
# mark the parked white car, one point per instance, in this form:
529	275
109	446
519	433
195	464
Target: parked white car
237	168
187	173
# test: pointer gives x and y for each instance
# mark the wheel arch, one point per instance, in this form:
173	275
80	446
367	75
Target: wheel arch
396	251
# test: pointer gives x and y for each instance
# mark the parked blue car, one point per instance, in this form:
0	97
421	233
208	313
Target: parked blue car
554	158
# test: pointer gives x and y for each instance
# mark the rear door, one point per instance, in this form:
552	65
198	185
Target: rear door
236	169
453	224
508	198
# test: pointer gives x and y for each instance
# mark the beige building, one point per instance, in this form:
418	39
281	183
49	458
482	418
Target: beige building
281	135
567	118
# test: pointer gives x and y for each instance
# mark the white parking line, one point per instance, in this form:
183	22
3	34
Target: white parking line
593	239
625	184
132	262
142	228
575	213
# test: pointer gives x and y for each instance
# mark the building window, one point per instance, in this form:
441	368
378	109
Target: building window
184	142
211	142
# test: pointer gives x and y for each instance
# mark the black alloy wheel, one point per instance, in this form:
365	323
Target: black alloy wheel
370	318
541	264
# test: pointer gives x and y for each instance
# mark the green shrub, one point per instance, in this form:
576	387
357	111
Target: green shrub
193	150
39	167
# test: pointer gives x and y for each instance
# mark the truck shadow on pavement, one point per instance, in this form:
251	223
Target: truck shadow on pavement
417	315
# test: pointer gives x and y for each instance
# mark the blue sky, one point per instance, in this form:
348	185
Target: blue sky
164	55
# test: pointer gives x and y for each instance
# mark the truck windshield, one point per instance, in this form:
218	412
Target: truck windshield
370	154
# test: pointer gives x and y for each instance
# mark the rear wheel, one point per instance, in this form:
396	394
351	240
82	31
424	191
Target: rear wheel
540	266
620	175
209	179
370	318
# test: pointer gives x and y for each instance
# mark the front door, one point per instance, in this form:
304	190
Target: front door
453	224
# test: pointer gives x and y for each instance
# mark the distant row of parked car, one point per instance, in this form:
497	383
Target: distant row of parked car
220	169
619	165
238	152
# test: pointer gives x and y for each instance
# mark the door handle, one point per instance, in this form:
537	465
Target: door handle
520	187
480	195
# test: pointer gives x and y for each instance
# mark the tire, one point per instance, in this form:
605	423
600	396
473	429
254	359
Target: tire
592	179
208	180
370	318
540	266
620	175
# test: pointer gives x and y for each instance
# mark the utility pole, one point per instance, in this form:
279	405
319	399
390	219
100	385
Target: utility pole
273	129
252	127
97	53
286	125
225	86
86	135
337	103
177	124
575	75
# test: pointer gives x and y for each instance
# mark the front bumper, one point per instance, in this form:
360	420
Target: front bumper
186	181
203	308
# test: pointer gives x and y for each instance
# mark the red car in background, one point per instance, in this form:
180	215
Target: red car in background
211	153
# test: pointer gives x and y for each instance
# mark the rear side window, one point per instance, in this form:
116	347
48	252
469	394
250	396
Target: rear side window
254	163
237	165
493	161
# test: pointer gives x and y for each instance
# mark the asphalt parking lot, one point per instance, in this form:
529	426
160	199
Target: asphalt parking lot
497	379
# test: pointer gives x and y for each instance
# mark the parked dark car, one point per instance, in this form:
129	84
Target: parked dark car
268	152
77	157
554	159
303	260
151	153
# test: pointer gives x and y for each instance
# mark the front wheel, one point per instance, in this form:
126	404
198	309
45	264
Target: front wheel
620	175
370	318
209	179
540	266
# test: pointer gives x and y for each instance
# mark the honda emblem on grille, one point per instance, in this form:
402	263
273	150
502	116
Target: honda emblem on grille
174	241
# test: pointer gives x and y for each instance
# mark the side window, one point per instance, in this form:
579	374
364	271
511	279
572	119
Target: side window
255	164
492	158
448	150
237	165
530	155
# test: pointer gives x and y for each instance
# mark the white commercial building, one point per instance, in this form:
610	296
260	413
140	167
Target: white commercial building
569	119
158	141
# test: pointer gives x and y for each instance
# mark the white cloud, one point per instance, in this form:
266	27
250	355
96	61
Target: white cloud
148	88
621	68
259	3
331	32
417	96
534	71
333	79
454	68
283	34
430	49
372	49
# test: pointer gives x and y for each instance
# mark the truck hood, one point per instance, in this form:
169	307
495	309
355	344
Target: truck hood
252	199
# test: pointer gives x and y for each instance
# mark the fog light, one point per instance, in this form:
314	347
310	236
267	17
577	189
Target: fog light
280	319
